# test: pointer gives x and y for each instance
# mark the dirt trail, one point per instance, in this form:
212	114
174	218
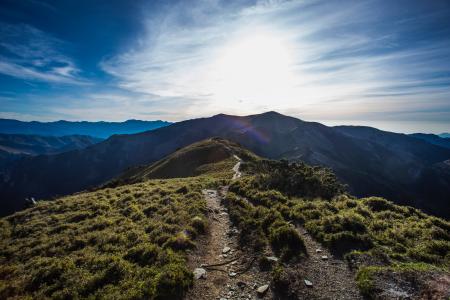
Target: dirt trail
330	276
236	167
236	276
225	281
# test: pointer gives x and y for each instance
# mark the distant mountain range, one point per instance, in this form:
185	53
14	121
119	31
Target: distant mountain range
16	146
62	128
403	168
36	144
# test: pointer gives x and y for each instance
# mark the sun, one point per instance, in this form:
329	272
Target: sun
256	66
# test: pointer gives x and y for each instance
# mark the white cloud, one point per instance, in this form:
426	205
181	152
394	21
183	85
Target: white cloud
319	60
32	54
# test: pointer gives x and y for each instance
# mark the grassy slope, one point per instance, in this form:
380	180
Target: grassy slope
126	242
213	157
375	235
129	241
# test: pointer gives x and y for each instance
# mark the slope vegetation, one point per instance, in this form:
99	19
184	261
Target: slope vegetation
126	242
212	157
133	240
397	251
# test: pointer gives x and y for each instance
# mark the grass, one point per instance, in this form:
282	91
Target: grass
373	234
366	278
260	226
129	242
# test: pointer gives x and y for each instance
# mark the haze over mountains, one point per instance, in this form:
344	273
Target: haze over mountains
61	128
399	167
36	144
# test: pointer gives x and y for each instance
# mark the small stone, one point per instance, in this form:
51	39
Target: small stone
318	250
199	273
225	255
308	283
324	257
226	250
232	274
272	258
262	289
241	284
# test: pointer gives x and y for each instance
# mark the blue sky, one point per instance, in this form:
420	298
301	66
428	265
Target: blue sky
379	63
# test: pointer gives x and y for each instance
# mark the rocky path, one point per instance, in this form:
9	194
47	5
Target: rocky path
223	270
330	277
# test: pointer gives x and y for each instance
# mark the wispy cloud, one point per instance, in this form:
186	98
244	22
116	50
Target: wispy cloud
29	53
345	59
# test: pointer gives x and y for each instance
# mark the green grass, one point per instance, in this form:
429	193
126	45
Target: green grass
374	232
375	225
260	226
128	242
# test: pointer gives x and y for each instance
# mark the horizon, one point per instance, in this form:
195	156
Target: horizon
361	63
329	123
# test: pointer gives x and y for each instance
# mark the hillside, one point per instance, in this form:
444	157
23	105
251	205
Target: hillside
396	166
61	128
210	157
37	145
433	139
144	240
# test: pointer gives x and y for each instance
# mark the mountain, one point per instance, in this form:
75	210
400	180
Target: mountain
370	161
36	145
444	135
235	224
433	139
61	128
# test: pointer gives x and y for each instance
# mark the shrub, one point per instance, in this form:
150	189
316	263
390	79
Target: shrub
286	240
365	281
378	204
143	254
172	282
179	242
199	224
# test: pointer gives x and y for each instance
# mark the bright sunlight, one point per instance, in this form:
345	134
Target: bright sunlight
255	66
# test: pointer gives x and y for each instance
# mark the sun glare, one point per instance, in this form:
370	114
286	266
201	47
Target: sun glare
255	67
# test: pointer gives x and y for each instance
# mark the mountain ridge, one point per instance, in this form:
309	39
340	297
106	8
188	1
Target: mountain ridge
101	129
368	166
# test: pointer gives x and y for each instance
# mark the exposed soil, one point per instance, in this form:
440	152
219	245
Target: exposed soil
330	276
237	279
